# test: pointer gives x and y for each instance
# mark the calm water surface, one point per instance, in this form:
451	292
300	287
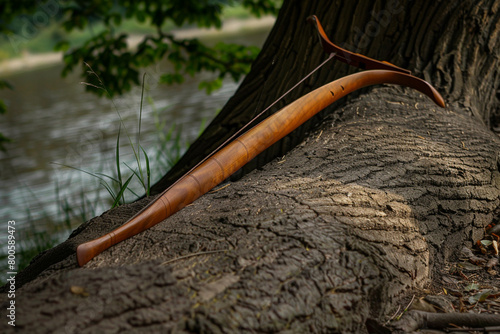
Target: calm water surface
52	121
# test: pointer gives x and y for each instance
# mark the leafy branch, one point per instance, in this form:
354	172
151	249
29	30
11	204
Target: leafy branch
109	54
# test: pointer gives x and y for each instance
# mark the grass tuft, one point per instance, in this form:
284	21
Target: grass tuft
80	208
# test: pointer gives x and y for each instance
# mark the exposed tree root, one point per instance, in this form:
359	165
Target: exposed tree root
414	320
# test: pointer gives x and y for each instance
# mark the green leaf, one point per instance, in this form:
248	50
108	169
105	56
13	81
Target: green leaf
469	266
472	286
171	78
3	107
5	84
118	66
140	16
62	46
210	86
117	20
3	140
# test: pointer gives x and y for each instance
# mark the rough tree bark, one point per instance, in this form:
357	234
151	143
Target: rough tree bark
384	188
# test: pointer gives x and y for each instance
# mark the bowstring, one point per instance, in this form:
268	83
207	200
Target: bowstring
332	55
286	93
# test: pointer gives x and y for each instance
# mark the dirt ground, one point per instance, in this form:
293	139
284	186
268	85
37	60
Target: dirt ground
468	283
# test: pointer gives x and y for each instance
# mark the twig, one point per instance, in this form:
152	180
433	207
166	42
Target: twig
415	320
393	316
493	329
406	308
317	138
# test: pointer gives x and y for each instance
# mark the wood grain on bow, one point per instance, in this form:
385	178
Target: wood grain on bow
247	146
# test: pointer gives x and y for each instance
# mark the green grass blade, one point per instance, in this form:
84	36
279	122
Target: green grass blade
134	193
202	126
117	157
140	111
81	170
122	190
110	191
136	173
148	171
114	179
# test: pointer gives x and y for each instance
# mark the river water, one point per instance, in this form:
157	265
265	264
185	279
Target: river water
54	123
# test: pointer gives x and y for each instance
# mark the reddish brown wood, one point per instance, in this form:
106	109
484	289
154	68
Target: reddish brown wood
244	148
348	57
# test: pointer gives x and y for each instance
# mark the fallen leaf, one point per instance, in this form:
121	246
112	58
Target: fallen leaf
486	243
469	266
466	252
472	286
449	280
480	297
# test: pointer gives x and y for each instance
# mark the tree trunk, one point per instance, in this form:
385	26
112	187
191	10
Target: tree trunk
383	189
452	45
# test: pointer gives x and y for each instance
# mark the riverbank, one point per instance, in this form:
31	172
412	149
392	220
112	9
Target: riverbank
30	61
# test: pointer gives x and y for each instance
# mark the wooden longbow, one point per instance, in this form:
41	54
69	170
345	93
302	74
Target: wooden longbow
219	165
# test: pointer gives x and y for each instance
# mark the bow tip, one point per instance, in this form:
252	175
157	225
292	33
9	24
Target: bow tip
312	19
